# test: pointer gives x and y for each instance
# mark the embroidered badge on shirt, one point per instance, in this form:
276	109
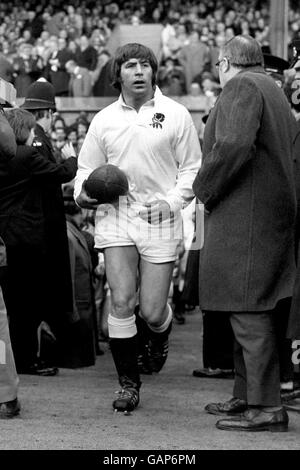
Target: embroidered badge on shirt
157	119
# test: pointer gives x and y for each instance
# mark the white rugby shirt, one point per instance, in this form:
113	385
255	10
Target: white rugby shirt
157	148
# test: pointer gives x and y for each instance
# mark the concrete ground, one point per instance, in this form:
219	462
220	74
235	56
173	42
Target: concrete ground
73	410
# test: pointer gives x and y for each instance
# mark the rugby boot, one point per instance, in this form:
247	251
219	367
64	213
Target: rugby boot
158	349
124	352
10	409
143	334
128	397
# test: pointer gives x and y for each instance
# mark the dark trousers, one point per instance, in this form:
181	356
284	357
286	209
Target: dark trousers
282	314
23	294
256	361
8	375
217	349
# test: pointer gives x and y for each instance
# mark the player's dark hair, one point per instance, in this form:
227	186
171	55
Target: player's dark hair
132	51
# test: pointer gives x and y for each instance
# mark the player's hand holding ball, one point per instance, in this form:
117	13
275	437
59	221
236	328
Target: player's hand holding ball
104	186
84	201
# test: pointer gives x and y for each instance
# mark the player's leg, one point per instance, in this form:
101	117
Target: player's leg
121	270
154	289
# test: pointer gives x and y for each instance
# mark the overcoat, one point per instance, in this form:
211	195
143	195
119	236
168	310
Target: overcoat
59	300
293	330
22	226
8	374
60	78
246	183
22	180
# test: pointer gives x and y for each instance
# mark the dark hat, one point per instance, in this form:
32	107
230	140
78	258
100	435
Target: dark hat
274	64
40	95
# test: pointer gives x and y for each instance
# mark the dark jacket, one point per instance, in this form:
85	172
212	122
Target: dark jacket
103	86
57	252
8	148
21	181
60	78
22	226
293	330
246	182
87	58
26	72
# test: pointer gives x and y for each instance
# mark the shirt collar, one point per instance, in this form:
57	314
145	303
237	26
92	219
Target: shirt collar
157	95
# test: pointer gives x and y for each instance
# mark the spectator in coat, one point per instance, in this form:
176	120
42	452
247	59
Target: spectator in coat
247	264
34	24
81	80
293	329
9	404
193	57
26	68
40	101
56	68
22	227
86	55
102	76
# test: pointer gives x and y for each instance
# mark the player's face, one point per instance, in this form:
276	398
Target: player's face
136	78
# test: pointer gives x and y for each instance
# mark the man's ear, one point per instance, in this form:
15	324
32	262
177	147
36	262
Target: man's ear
226	64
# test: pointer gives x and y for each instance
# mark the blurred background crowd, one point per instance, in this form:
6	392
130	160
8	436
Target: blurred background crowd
70	45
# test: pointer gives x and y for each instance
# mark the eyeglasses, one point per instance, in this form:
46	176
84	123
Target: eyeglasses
217	64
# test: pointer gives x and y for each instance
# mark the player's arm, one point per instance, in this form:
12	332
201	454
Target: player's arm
188	156
92	155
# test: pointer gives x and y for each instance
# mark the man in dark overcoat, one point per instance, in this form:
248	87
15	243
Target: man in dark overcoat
40	101
9	380
291	90
247	263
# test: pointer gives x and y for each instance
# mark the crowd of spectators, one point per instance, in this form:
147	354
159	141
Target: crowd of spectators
61	133
70	45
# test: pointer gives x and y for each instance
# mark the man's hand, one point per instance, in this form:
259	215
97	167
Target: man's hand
155	212
83	200
68	151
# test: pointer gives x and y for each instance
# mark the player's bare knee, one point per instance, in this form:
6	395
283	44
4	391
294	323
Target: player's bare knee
123	305
153	314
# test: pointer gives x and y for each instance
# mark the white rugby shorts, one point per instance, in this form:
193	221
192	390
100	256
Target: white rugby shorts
122	226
